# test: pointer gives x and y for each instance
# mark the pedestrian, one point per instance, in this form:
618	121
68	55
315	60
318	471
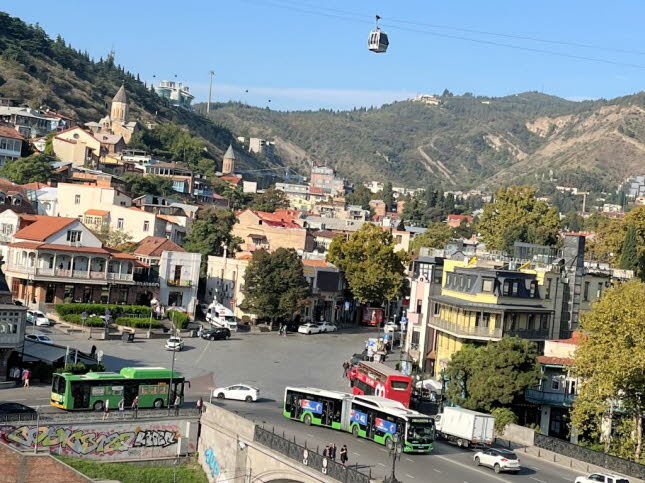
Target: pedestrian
122	408
345	368
343	454
177	404
106	409
200	331
93	351
326	452
25	378
135	406
332	451
158	312
200	405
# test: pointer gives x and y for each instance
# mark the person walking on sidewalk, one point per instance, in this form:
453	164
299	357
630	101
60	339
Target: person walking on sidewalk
343	454
121	407
25	378
177	404
135	406
106	409
332	451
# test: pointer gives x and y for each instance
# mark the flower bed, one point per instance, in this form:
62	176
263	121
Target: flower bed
99	309
180	319
138	323
91	321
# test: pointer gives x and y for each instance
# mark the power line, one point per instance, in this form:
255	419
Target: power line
450	36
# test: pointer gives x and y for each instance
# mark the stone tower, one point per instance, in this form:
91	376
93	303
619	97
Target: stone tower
228	164
119	111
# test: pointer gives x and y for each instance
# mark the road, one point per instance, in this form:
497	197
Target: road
272	362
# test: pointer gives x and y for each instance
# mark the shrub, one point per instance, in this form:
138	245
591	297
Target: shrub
138	323
503	417
81	368
91	321
99	309
180	319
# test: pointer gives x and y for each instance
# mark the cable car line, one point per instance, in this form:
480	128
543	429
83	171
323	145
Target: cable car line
451	36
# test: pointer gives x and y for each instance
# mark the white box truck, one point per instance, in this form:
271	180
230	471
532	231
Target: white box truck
219	316
465	427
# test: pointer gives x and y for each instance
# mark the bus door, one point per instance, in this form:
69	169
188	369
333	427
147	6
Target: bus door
81	395
130	391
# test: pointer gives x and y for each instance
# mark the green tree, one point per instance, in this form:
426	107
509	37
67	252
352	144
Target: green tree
388	195
274	284
610	362
117	239
373	270
36	168
361	196
211	234
271	200
464	230
516	215
629	251
140	185
436	236
492	376
573	222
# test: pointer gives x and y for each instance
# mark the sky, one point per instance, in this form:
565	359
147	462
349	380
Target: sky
308	54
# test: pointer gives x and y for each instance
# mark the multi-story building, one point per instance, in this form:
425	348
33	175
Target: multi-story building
182	177
10	144
54	259
379	207
258	229
177	93
258	145
29	122
326	285
323	180
171	270
78	146
14	197
225	281
12	328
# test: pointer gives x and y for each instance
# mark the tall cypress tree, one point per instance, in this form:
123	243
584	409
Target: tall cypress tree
629	250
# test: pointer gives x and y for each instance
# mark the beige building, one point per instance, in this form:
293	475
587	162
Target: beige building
77	146
224	282
258	229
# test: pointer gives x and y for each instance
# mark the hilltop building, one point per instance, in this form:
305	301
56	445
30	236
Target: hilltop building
117	122
228	163
177	93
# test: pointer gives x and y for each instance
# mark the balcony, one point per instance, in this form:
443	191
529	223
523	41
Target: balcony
529	333
465	331
58	273
178	283
537	396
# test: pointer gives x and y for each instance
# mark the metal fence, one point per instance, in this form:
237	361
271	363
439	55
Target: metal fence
597	458
309	457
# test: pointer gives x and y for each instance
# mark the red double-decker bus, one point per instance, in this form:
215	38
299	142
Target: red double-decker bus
376	379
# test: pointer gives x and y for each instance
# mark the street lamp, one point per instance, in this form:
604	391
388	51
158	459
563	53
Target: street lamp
395	453
172	369
153	304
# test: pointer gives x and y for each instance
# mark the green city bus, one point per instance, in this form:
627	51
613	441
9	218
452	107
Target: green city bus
89	391
371	417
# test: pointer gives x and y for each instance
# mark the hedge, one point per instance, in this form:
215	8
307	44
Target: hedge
99	309
138	323
180	319
91	321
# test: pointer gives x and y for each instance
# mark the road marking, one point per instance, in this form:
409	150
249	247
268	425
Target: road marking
410	460
357	454
409	476
310	435
436	470
381	464
472	468
539	481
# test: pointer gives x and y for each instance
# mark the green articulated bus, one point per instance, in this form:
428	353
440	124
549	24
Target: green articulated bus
90	391
371	417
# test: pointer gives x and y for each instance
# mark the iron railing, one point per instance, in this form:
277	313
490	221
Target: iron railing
552	398
462	330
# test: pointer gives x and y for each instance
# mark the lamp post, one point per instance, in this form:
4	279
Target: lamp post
395	453
172	370
153	304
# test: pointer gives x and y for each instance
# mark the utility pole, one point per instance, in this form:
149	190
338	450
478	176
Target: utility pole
210	89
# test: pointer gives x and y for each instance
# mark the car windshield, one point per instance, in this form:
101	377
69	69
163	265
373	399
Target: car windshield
175	340
421	431
508	456
230	318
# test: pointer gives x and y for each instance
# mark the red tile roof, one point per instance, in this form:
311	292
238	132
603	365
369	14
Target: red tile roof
9	132
281	218
154	246
460	217
43	228
35	186
555	361
315	263
232	179
97	212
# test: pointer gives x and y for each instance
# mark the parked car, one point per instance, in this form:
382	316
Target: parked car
391	327
309	328
498	459
602	478
356	358
175	344
39	338
37	318
327	327
241	392
216	333
17	409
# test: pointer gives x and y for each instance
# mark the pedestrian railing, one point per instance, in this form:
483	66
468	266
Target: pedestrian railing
310	457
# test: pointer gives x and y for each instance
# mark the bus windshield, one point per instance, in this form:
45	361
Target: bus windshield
421	432
58	384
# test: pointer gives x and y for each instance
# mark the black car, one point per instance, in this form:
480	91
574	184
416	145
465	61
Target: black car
12	410
216	333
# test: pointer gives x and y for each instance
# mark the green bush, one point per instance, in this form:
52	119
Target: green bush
81	368
99	309
180	319
138	323
91	321
503	417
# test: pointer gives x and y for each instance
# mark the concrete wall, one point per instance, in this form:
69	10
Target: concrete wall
227	452
20	467
111	440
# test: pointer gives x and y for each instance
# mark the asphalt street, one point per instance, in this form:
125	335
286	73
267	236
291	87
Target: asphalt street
271	363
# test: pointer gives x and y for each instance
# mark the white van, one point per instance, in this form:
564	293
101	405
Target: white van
220	316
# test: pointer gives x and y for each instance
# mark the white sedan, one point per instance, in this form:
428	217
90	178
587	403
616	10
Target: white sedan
498	459
601	478
241	392
309	328
174	344
39	338
327	327
37	318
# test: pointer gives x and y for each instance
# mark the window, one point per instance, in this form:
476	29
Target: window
415	339
419	305
119	224
146	225
487	285
77	199
17	200
531	322
534	288
516	288
177	272
437	309
555	383
544	321
73	236
547	293
585	295
507	287
599	290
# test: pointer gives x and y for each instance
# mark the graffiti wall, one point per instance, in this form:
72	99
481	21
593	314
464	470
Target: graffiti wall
136	440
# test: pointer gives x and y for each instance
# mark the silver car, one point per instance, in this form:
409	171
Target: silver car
498	459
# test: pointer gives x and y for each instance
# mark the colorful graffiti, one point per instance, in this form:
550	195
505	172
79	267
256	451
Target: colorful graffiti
212	463
89	441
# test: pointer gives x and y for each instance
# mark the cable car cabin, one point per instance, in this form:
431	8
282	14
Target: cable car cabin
378	41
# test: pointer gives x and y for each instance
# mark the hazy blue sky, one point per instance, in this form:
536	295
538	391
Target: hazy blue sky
278	50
